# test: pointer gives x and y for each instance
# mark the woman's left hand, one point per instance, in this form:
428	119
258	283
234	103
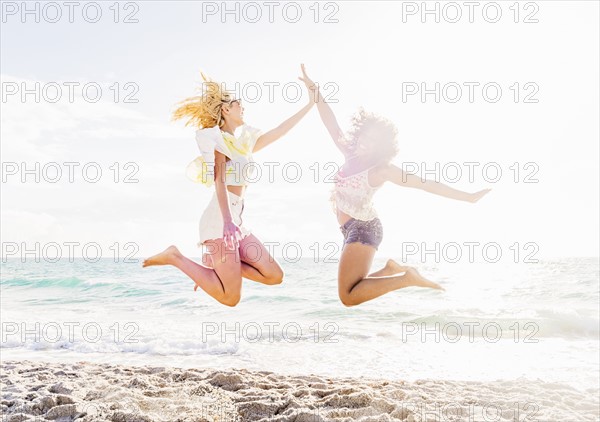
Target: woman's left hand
312	88
474	197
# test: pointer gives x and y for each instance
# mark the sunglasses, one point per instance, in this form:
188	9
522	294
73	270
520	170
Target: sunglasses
236	100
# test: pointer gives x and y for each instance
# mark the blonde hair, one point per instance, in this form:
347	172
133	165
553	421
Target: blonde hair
204	111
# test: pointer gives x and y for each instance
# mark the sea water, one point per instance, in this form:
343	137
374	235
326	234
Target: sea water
517	322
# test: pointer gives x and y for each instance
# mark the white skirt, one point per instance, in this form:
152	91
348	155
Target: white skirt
211	222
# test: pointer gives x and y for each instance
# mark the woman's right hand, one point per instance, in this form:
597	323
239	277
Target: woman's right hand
231	235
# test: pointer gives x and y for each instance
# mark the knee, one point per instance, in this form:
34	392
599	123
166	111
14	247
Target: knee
348	300
276	277
232	299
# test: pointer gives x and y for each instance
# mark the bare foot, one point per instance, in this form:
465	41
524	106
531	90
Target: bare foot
421	281
164	258
207	260
392	267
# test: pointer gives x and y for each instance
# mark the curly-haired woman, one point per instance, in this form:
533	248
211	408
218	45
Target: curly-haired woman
233	251
368	149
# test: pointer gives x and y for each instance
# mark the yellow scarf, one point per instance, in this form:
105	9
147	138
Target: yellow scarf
201	171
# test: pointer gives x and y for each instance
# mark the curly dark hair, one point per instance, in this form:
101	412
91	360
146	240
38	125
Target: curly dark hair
384	144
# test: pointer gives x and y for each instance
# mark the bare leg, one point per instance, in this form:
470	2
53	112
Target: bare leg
356	287
257	264
206	278
248	270
391	268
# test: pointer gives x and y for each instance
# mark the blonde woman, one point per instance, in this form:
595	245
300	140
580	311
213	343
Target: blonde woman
226	164
368	149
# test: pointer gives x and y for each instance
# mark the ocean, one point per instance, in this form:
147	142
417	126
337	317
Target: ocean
495	322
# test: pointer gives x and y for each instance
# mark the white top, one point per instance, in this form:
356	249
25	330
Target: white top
353	195
240	166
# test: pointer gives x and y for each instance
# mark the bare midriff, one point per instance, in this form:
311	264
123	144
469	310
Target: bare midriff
342	217
237	190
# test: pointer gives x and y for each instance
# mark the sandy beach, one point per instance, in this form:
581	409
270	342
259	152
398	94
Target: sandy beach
412	190
86	391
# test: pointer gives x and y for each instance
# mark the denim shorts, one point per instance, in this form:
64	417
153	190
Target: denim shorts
366	232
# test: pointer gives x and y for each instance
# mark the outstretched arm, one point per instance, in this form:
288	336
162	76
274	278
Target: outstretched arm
398	176
326	113
274	134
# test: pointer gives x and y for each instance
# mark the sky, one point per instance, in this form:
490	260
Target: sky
542	132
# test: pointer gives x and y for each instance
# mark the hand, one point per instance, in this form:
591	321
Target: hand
474	197
231	235
313	90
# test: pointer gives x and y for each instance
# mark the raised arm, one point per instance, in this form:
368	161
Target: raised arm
398	176
274	134
327	116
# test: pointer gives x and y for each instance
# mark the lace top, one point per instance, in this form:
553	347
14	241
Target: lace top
240	166
353	195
